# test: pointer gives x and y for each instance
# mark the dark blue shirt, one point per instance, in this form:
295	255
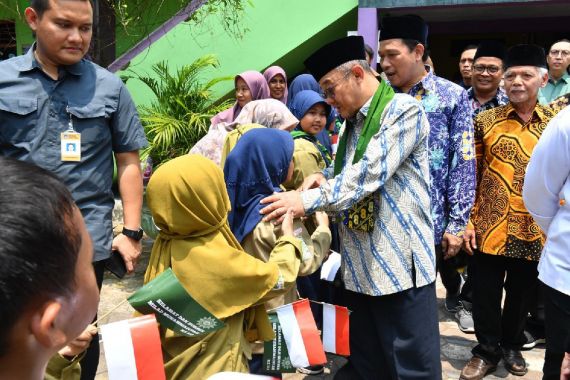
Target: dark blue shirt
35	110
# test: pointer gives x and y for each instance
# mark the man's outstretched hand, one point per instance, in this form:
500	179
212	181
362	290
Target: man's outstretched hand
279	203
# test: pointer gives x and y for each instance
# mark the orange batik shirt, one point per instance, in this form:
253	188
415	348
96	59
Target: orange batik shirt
503	146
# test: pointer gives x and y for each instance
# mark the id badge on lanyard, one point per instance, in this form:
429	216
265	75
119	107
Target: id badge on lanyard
70	142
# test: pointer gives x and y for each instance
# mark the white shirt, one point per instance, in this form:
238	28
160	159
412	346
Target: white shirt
546	195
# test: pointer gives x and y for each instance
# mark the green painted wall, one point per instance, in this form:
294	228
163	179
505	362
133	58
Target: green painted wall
14	10
151	19
431	3
280	32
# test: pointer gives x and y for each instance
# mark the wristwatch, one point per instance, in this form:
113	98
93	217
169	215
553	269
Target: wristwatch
135	235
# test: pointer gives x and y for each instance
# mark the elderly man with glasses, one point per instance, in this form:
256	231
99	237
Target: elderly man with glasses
558	78
379	188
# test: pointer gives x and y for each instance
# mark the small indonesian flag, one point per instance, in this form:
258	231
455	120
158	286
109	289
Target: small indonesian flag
301	334
132	349
335	329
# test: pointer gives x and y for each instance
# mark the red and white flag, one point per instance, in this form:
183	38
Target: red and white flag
301	334
335	329
132	349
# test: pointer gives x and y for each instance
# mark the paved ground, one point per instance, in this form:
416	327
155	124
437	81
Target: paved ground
455	346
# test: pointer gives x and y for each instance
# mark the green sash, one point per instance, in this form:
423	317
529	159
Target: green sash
361	216
384	94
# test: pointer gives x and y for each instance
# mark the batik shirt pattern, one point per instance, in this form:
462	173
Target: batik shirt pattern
500	99
395	170
452	153
504	144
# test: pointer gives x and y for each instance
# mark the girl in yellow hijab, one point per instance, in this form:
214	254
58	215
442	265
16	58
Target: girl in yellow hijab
189	203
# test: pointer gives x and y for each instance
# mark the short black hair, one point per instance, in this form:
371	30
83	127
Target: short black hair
468	47
39	244
40	6
411	44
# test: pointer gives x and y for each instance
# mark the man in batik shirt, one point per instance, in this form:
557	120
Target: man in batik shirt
484	95
485	92
379	185
504	237
451	149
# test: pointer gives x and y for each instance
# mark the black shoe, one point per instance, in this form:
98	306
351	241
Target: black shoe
514	362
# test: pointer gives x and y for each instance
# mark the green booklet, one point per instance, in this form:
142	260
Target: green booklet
174	308
275	354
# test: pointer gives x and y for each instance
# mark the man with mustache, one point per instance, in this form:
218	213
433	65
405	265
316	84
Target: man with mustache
505	241
484	94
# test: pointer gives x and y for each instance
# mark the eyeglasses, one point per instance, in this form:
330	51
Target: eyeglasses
491	69
329	92
563	53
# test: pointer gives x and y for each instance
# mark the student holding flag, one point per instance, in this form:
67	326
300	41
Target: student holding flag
191	209
379	184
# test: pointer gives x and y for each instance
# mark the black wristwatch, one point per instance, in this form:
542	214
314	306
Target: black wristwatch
135	235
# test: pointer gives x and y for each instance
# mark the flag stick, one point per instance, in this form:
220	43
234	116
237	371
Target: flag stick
109	312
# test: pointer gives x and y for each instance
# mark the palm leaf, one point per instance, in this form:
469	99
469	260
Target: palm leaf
180	115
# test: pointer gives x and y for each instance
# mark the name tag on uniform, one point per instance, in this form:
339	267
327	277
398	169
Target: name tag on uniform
71	146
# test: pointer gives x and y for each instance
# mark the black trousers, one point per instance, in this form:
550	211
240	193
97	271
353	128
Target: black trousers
535	323
448	271
466	295
557	310
90	361
394	336
495	329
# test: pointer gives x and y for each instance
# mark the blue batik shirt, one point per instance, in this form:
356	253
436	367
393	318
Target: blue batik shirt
500	99
451	153
35	110
398	254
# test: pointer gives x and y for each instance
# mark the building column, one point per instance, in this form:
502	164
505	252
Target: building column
368	28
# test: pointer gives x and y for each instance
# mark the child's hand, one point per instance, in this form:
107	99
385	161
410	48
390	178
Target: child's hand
287	225
80	343
322	218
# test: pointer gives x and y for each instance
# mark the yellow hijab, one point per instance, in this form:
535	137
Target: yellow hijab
188	200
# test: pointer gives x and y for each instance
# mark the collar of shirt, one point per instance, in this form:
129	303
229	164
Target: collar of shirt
361	114
500	97
565	78
29	63
537	112
424	86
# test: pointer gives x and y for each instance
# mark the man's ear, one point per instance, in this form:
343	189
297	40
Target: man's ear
357	71
46	325
544	80
32	18
419	51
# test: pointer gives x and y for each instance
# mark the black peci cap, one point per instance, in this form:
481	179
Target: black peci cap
408	27
334	54
494	49
525	55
